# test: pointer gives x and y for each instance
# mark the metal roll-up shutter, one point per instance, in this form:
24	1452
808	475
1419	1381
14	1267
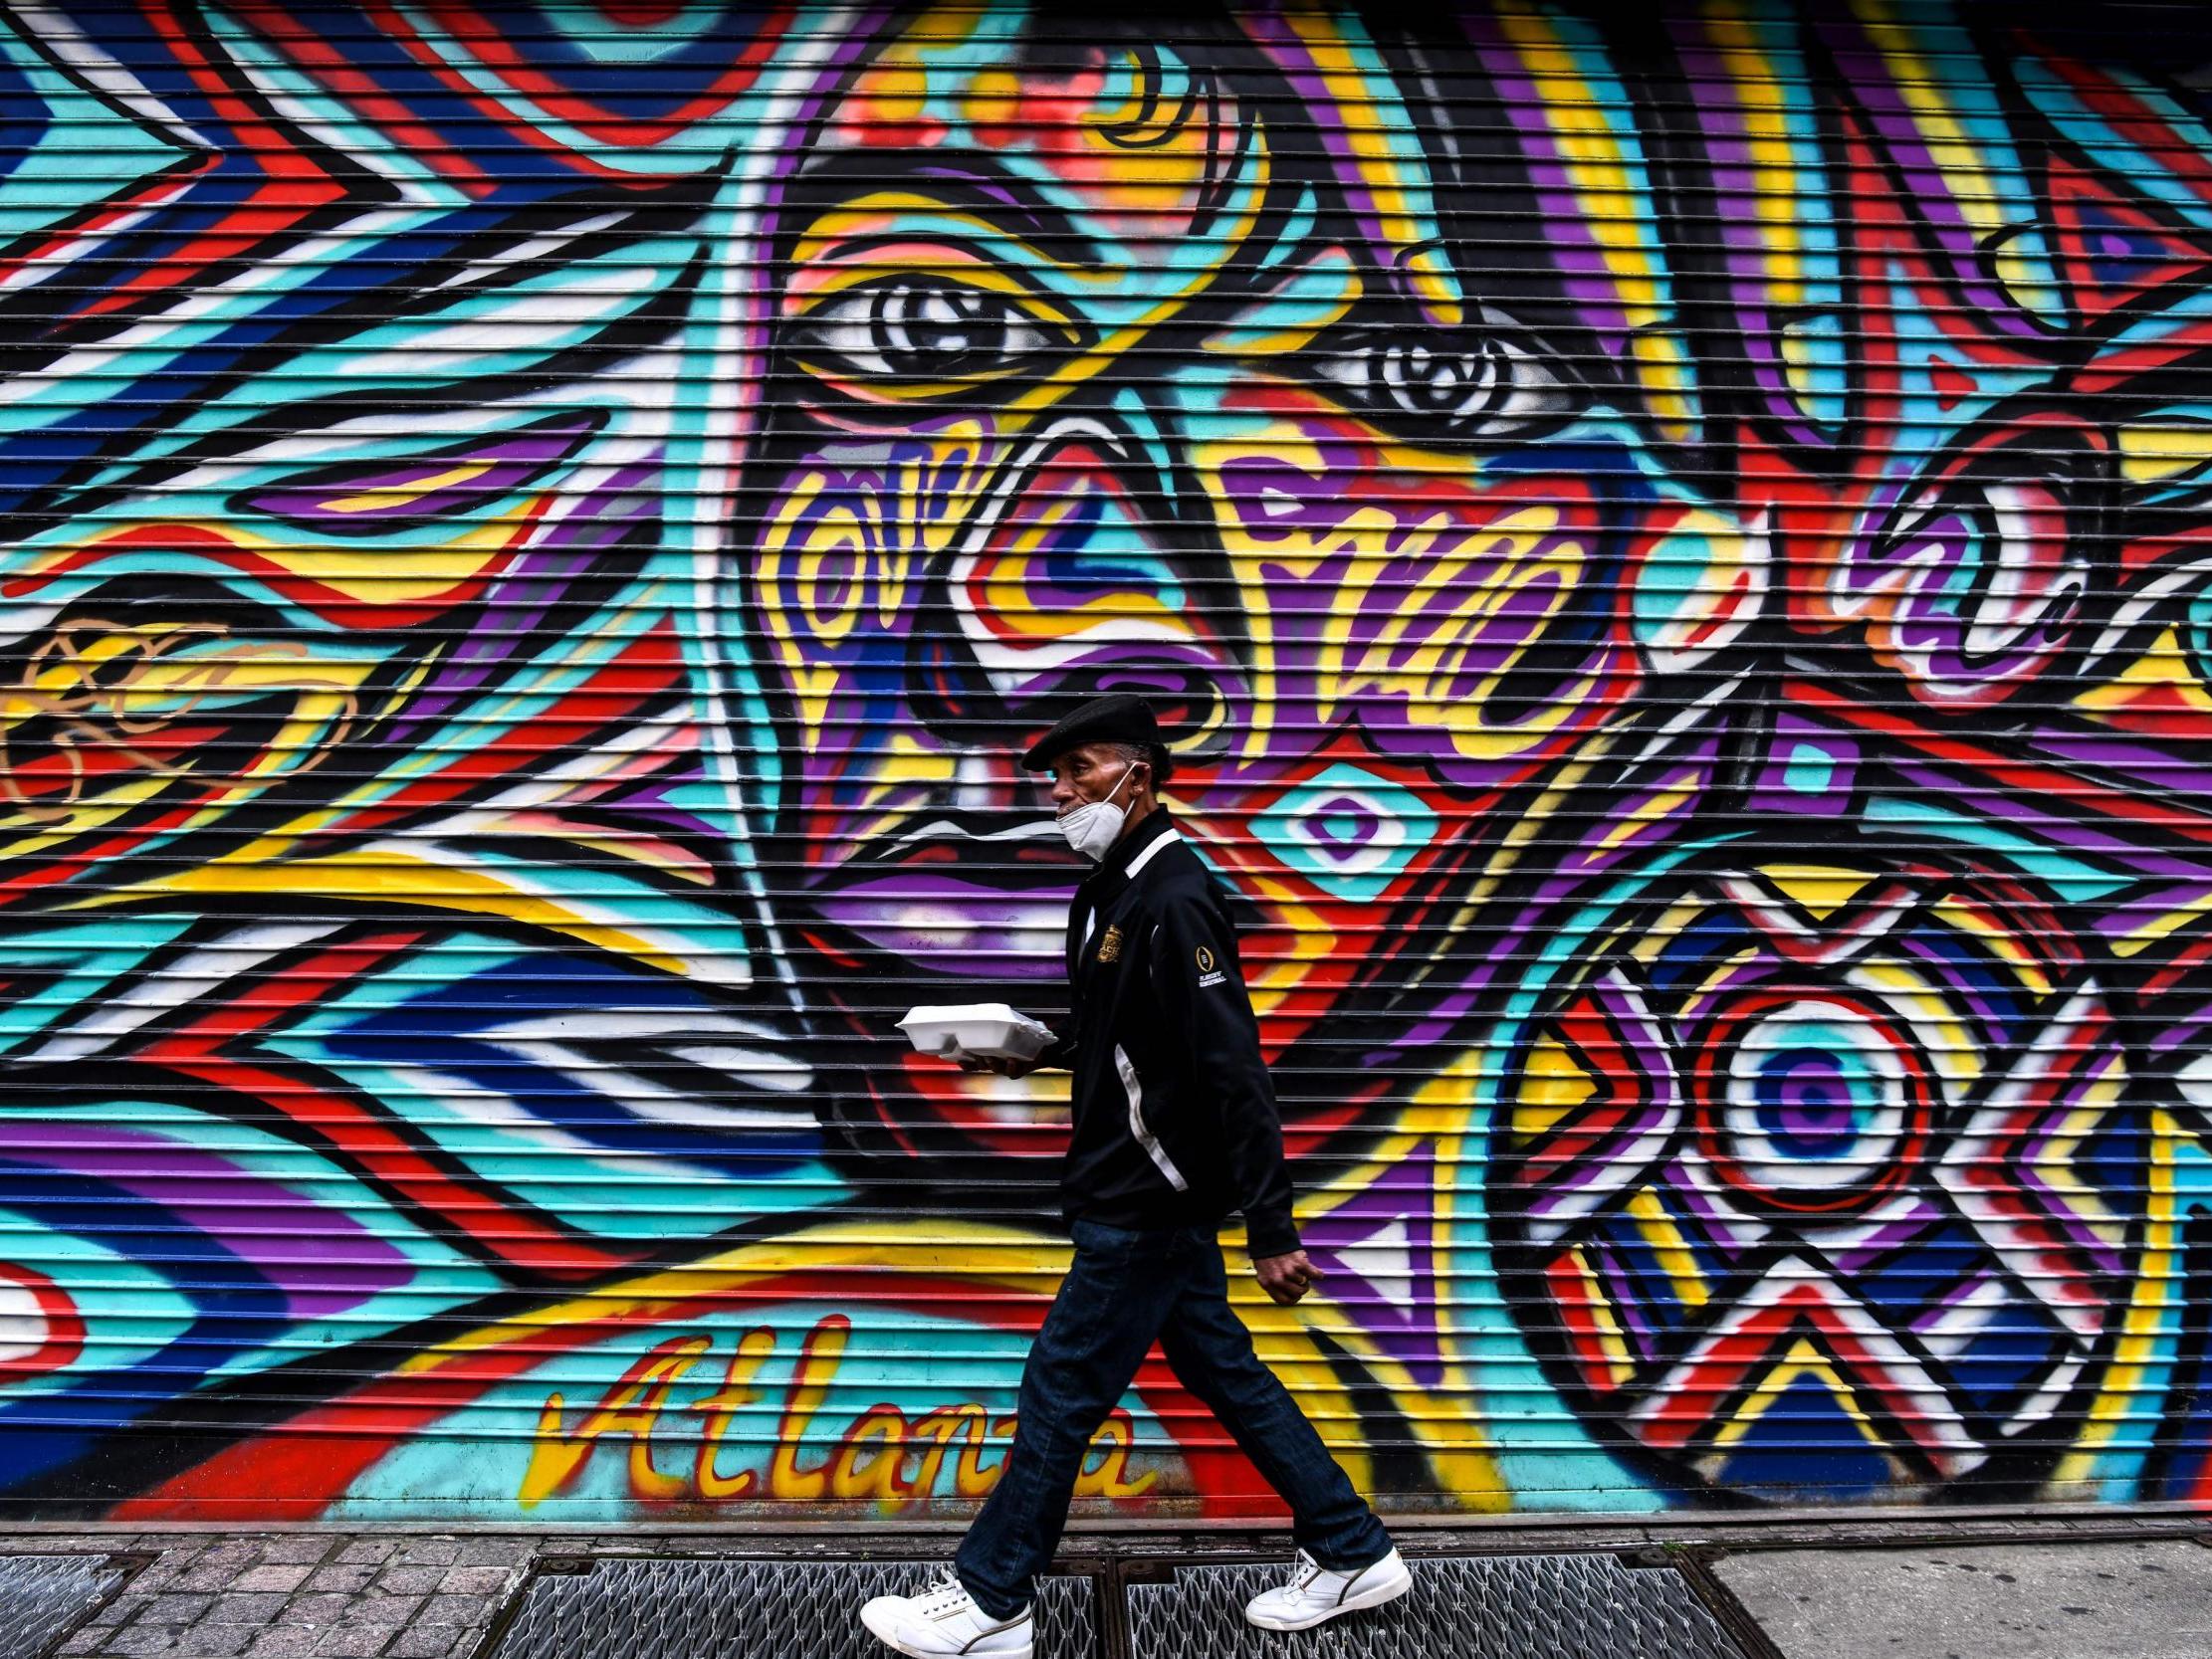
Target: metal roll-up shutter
1672	546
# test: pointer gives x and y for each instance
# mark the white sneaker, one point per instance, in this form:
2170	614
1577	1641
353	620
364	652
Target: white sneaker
943	1623
1315	1594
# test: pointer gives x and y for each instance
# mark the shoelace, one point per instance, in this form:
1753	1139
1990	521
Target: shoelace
1308	1569
942	1597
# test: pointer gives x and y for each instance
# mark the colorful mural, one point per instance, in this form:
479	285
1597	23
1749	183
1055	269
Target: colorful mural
1673	552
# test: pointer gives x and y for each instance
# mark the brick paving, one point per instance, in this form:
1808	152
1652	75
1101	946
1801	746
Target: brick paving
295	1595
413	1594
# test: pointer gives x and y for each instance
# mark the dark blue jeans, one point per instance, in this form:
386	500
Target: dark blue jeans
1125	1291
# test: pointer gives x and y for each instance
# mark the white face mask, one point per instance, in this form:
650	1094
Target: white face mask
1095	826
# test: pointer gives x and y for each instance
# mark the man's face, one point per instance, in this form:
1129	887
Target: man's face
1096	375
1093	773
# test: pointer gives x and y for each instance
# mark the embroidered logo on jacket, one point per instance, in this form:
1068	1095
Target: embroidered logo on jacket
1209	967
1109	947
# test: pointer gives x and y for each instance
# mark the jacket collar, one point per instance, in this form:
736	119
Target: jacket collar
1114	866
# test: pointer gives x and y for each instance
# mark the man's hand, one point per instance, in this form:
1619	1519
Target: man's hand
1285	1278
996	1065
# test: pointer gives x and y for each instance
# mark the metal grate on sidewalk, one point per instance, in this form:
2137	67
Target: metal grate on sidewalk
1461	1607
42	1597
749	1609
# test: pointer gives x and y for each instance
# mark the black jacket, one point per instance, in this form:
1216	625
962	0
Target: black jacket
1175	1116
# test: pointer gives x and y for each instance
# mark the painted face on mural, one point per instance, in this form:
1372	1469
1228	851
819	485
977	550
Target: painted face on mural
1152	367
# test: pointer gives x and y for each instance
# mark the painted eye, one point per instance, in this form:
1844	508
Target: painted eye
911	330
1472	384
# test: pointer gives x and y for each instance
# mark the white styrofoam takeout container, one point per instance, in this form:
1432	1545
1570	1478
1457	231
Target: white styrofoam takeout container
987	1030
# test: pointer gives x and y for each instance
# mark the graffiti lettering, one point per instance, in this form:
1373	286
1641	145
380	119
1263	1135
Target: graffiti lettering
880	1457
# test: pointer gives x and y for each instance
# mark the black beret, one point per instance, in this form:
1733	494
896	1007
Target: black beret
1118	719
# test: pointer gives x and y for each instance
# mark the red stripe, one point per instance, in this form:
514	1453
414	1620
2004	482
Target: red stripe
359	1131
40	876
135	199
525	1244
296	183
2031	780
2135	120
402	33
326	600
569	723
360	93
482	37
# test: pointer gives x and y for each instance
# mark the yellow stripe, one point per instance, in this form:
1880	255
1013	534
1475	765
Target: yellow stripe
396	494
1773	152
1949	146
2141	1352
1402	222
387	878
1670	1246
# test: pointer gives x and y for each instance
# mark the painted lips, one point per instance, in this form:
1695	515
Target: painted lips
969	896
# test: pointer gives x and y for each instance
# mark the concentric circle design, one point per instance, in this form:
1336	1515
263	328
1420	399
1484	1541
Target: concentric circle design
1810	1101
1817	1177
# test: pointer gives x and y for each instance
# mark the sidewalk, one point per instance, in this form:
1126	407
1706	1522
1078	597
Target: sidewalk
1909	1586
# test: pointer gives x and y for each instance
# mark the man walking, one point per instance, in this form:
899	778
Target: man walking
1174	1126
